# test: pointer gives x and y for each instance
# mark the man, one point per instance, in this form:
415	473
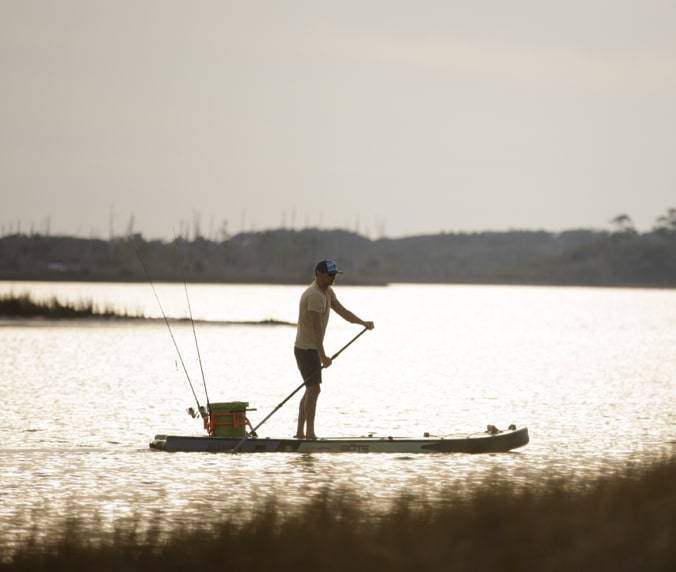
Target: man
313	316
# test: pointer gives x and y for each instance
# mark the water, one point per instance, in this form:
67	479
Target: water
590	371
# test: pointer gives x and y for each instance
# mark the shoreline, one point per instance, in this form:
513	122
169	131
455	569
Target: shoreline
41	321
23	308
364	284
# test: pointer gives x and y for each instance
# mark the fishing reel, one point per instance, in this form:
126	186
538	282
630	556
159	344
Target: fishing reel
202	412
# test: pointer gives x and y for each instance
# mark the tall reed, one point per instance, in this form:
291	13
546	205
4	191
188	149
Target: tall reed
621	522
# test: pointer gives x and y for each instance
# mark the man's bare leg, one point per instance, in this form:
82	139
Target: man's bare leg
300	431
310	399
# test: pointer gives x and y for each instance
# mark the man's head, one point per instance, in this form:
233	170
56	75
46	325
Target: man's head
325	272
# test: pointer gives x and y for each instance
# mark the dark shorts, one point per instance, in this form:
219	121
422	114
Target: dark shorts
309	365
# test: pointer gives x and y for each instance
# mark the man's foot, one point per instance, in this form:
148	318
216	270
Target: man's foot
311	437
299	436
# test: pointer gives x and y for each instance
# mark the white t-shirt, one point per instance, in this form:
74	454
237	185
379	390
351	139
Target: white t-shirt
314	299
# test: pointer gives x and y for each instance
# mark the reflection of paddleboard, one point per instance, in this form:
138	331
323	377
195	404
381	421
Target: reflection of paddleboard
491	441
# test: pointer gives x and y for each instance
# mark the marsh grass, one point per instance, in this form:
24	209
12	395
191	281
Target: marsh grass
24	306
620	522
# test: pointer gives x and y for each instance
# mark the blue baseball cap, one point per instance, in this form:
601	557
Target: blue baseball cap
327	266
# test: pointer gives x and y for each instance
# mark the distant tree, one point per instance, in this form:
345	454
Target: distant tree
623	224
223	232
197	225
135	237
111	222
666	223
131	225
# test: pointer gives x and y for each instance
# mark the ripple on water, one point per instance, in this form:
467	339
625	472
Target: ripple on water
589	371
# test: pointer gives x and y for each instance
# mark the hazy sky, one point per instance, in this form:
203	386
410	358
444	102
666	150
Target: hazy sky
412	117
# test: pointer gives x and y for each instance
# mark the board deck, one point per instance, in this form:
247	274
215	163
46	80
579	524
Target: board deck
485	442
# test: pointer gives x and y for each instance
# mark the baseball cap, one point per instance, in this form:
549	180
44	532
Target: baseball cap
327	266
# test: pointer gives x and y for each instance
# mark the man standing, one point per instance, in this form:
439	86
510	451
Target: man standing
313	316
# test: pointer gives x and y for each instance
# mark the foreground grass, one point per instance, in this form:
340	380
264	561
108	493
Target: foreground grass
623	522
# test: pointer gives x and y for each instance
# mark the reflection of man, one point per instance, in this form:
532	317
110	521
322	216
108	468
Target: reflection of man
313	316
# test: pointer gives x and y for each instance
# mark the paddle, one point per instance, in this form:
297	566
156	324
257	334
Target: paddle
334	356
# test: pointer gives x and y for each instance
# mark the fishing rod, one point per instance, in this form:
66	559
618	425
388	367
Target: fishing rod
197	347
194	333
334	356
171	333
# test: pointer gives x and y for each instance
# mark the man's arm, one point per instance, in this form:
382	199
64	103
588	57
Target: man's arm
315	318
344	313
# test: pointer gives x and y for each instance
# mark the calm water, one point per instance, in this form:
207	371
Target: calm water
590	371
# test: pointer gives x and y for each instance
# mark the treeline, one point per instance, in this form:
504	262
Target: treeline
622	257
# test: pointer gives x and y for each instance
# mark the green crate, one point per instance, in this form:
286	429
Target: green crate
229	418
229	406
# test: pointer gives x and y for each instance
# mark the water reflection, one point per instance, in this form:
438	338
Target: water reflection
589	371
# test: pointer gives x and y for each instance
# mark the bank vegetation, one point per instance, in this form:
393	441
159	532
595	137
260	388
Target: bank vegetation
618	257
614	523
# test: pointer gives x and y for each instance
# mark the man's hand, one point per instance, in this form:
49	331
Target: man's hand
326	361
368	325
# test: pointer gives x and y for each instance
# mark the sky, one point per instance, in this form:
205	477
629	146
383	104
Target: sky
385	117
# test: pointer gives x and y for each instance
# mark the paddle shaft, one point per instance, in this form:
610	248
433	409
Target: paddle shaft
334	356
